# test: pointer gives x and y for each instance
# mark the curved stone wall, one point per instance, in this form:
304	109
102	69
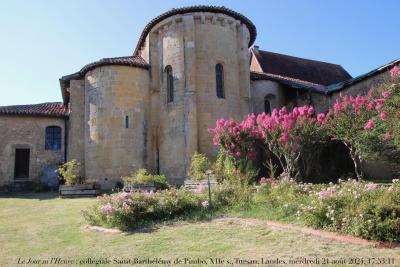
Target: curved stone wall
220	39
192	44
112	94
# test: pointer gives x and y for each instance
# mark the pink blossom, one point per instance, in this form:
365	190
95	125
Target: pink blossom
384	115
379	107
395	71
325	194
370	124
321	117
237	154
295	147
263	180
310	111
283	111
371	105
394	85
205	204
387	136
385	94
370	187
284	138
107	208
125	205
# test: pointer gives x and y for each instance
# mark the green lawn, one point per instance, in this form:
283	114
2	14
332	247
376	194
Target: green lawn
42	226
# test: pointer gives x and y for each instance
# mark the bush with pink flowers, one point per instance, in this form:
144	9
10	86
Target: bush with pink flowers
292	138
129	210
364	209
368	125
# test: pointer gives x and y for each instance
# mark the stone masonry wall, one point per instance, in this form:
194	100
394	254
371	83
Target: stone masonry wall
27	132
262	88
193	44
76	123
111	94
220	39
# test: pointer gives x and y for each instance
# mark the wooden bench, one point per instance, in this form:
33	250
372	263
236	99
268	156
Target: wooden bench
79	190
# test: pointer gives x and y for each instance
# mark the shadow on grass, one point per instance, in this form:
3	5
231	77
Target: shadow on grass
151	226
38	196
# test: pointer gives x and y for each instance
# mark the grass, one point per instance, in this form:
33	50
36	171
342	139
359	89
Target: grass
42	226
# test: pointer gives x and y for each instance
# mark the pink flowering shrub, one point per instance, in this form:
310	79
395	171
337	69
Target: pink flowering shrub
285	135
240	144
129	210
239	139
292	136
368	125
368	210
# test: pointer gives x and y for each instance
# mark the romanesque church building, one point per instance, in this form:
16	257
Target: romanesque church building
152	109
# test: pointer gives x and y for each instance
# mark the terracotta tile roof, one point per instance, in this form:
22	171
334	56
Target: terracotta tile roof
312	71
51	109
132	61
296	83
201	8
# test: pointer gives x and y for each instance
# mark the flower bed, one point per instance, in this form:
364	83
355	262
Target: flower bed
130	210
362	209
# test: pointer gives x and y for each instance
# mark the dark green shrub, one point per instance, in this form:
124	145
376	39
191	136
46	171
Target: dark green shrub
69	172
142	177
198	166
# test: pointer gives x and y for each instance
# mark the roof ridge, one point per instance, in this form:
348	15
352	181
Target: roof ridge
46	109
287	77
301	58
43	103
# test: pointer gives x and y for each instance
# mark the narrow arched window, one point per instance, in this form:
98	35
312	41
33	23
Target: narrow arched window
219	77
170	84
268	105
126	122
53	138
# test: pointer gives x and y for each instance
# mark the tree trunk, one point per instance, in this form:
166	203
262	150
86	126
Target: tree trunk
357	163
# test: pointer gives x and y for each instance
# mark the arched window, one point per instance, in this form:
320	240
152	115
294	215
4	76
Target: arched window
268	105
53	138
126	122
219	77
170	83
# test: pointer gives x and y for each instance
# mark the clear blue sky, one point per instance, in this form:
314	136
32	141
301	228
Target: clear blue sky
42	40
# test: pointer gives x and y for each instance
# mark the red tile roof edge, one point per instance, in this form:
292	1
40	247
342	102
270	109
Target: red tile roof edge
288	80
48	109
199	8
132	61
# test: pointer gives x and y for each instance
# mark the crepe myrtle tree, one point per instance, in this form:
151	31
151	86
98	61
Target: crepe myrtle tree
240	140
368	124
284	134
291	136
